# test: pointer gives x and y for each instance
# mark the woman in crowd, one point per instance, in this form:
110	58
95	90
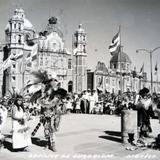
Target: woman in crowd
21	138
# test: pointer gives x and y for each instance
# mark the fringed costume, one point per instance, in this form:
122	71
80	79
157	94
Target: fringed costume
50	99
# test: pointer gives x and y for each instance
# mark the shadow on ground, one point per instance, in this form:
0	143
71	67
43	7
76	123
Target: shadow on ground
39	142
8	144
112	136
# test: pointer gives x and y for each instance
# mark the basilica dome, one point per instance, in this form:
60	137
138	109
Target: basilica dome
123	57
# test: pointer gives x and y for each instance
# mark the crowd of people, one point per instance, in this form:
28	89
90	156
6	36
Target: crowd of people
51	101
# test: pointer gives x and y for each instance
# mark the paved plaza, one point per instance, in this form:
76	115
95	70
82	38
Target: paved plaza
81	136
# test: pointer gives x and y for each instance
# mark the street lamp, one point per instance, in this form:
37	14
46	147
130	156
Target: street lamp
150	52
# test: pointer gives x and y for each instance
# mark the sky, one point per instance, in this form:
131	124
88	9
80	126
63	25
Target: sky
139	21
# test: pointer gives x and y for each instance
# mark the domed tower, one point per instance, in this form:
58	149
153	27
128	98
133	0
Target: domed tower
123	59
80	56
17	32
14	34
120	64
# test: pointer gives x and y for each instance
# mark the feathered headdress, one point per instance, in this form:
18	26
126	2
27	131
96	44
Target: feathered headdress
44	81
13	96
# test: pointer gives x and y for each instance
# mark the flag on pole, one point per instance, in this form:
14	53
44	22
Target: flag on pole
115	44
142	69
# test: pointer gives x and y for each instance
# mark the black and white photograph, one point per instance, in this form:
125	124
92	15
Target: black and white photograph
79	79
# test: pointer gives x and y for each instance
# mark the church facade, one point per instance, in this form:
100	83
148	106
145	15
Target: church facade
119	77
25	51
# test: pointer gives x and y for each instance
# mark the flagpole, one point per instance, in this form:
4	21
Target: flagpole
120	60
72	64
141	77
157	76
157	81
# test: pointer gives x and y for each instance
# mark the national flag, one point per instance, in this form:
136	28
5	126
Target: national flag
115	44
142	69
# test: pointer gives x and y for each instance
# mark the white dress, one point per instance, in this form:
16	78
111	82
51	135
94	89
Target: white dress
21	137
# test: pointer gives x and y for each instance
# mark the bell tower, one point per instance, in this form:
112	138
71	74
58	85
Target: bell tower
80	55
16	29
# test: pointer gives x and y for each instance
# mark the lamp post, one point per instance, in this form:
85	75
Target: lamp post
150	52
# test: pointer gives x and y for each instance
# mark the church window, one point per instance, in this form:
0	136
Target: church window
84	48
69	63
19	26
27	37
14	66
15	26
114	66
19	39
13	77
84	38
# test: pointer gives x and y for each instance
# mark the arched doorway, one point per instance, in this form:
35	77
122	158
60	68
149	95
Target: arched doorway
70	86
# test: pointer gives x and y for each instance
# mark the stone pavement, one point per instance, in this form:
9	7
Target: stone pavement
82	136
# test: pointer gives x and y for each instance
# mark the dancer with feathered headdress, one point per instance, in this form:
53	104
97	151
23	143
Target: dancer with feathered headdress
47	92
